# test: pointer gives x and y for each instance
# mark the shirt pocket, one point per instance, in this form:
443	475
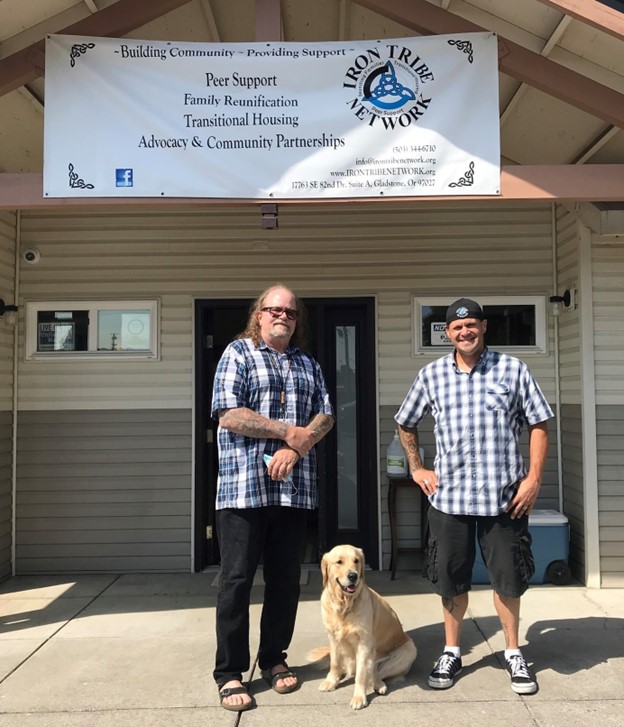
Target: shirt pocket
497	397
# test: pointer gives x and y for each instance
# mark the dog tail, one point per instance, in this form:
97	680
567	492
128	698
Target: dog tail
320	653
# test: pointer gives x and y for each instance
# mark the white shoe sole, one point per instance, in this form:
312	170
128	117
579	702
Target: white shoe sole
524	688
443	685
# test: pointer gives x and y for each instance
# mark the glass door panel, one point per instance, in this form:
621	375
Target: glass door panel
346	427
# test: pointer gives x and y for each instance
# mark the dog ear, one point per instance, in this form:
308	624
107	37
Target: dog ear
360	555
324	569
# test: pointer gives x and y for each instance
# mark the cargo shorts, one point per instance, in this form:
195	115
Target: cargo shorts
505	545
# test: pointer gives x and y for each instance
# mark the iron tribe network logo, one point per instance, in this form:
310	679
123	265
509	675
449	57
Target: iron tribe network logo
388	83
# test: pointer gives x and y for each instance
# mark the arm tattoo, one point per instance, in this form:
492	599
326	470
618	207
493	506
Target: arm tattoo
320	424
409	440
251	424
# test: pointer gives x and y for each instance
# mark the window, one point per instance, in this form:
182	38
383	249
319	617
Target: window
102	329
515	324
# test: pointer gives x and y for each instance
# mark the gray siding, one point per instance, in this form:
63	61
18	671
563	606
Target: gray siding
6	495
611	494
104	491
572	466
7	293
608	288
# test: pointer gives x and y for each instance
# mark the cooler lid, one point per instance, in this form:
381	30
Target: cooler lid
547	517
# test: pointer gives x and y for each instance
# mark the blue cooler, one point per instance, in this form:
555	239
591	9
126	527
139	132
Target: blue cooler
551	540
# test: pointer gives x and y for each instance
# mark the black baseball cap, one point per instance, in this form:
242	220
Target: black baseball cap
463	308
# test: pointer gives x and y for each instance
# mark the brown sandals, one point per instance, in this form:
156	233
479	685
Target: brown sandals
230	691
272	679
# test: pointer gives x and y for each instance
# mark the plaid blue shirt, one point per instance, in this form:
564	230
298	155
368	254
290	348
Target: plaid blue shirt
479	417
254	378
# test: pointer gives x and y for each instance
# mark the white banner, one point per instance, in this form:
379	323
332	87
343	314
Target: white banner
132	118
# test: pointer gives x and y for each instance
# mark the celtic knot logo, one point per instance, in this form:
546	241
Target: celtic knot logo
77	50
387	92
75	182
464	45
467	180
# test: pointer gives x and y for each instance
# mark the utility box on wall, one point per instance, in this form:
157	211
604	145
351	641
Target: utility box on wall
551	545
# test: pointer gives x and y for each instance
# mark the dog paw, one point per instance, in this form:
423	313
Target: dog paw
381	688
359	702
327	686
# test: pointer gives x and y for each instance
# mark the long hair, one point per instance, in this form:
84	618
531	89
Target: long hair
252	329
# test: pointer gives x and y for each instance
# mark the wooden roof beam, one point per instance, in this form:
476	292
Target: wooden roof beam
593	13
552	78
116	20
268	20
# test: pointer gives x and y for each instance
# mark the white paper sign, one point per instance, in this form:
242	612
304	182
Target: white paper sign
438	335
132	118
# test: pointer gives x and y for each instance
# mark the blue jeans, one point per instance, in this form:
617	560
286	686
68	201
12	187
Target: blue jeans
276	534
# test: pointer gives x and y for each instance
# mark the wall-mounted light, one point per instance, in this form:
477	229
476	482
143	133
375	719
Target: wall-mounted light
560	302
8	313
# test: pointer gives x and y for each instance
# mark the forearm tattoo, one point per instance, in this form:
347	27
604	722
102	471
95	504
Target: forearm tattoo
320	424
409	440
251	424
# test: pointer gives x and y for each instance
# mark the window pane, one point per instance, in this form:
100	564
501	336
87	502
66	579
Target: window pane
62	330
507	325
433	324
124	330
510	325
346	427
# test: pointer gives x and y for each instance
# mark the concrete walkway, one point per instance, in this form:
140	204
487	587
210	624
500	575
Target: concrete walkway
138	651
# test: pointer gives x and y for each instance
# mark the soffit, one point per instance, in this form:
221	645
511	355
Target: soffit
537	127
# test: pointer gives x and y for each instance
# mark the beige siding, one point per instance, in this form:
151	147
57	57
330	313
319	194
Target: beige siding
7	293
608	277
608	286
569	338
104	491
393	251
570	386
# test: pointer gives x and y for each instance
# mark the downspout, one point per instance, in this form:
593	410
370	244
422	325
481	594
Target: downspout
588	411
18	241
553	227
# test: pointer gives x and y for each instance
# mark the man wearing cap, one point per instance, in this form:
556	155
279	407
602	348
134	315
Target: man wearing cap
480	400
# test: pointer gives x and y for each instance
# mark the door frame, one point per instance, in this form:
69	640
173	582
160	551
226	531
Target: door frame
205	553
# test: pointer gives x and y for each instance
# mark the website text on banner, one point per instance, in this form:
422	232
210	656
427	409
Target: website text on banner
406	117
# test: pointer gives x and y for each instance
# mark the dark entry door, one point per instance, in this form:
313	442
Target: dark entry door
342	341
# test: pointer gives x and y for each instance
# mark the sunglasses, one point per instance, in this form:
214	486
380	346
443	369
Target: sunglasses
276	311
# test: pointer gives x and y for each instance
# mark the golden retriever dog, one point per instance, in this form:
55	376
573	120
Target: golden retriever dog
366	639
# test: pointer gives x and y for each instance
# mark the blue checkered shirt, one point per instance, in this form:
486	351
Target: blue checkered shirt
479	417
254	378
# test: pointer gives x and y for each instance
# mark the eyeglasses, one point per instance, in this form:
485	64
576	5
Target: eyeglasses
276	311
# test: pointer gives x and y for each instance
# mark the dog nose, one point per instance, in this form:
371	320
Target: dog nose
352	576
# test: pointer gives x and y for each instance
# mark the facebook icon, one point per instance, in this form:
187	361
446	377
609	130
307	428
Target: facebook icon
123	177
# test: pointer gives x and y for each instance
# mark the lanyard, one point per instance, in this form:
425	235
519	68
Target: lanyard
279	374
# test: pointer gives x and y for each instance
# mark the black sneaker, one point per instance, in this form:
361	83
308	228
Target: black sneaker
522	681
446	668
